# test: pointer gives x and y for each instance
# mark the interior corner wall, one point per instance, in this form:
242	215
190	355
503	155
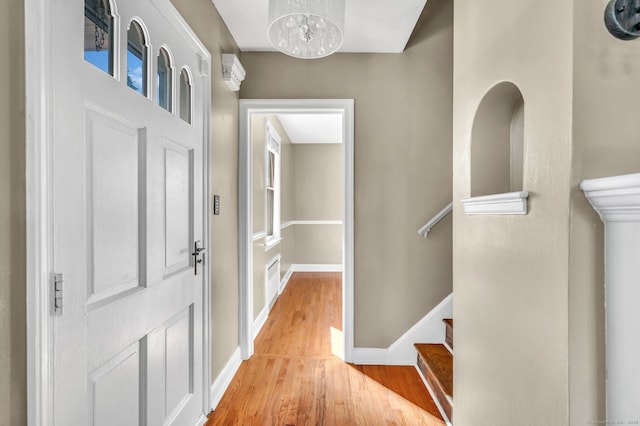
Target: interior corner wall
13	318
511	273
204	19
605	144
403	107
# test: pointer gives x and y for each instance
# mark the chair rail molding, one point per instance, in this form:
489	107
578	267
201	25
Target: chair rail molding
617	201
424	231
507	203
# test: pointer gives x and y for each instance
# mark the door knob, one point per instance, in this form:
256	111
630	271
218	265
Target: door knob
196	256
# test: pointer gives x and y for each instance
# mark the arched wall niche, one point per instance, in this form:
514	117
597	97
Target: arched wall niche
497	142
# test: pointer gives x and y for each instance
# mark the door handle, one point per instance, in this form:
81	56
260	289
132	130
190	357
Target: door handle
196	256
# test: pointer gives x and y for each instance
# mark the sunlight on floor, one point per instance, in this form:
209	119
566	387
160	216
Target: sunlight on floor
337	343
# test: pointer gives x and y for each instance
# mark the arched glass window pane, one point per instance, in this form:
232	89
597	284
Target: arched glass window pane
98	34
136	59
165	80
185	96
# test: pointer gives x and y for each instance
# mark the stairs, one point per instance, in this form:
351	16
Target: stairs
435	361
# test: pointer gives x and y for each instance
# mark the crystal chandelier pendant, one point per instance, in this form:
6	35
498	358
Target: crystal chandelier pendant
306	29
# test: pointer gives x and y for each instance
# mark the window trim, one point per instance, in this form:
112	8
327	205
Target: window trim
170	79
114	39
272	144
146	53
185	69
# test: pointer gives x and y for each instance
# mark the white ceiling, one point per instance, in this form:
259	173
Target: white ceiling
312	128
370	25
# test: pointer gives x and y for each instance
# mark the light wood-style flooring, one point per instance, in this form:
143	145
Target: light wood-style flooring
294	378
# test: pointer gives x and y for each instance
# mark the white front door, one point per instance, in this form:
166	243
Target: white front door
129	206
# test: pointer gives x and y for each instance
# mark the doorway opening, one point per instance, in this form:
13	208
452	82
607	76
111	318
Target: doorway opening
269	118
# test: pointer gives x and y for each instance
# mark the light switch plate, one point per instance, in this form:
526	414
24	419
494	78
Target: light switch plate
216	205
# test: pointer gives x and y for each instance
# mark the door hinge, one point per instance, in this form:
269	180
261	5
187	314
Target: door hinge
58	280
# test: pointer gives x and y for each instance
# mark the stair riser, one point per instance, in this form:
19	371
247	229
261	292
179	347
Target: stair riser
449	335
436	388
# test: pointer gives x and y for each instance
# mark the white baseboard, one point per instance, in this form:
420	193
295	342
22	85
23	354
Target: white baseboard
222	382
316	267
370	356
285	280
430	329
259	322
201	420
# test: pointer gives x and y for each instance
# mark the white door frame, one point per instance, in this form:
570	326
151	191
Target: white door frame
39	201
245	209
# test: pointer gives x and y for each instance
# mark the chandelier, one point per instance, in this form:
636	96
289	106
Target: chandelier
306	29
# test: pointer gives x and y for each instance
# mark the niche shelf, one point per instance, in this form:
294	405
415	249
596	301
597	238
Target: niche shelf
509	203
497	154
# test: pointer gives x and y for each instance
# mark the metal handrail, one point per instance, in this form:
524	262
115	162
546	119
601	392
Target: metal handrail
424	231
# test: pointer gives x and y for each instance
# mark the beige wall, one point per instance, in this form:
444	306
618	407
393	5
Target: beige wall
511	272
318	195
13	385
605	143
318	183
402	165
205	21
317	244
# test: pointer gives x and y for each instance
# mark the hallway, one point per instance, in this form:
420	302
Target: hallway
294	378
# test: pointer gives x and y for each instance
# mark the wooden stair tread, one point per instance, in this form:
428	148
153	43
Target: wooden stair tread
440	362
448	321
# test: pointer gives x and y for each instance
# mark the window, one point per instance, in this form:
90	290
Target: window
137	58
165	80
272	184
98	34
185	95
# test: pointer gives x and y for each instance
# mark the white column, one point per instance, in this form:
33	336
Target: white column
617	201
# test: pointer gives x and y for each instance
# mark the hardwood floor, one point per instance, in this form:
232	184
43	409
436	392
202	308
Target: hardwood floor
295	379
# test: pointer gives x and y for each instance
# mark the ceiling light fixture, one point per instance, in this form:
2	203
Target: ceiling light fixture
306	29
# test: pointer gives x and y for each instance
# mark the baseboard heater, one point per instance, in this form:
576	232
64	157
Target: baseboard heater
273	281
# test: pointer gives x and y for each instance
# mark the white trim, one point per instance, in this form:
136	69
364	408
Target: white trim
271	243
424	231
260	320
285	280
286	224
370	356
166	8
259	235
316	267
39	220
202	420
245	236
222	382
39	133
205	68
430	329
262	234
511	203
245	208
433	397
449	348
616	199
317	222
